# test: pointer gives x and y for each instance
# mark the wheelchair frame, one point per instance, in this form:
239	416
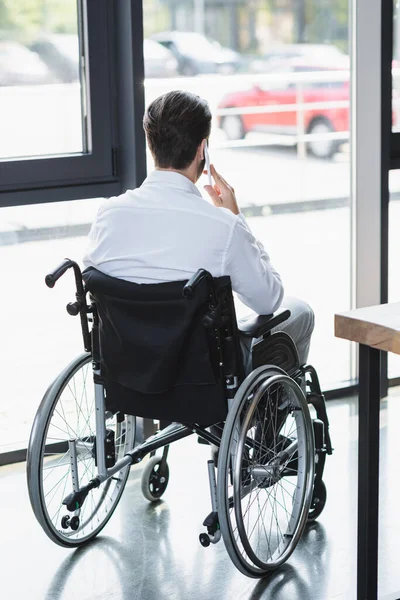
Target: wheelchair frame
107	468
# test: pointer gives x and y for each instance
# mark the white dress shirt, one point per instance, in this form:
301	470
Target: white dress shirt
165	231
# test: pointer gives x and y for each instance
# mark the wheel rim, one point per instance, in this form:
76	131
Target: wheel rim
255	516
233	127
321	148
72	416
271	517
158	481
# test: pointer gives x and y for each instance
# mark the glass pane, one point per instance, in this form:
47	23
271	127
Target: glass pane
276	76
41	105
39	337
396	67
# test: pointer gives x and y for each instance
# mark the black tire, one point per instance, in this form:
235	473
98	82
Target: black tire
318	501
188	70
155	479
267	425
48	456
233	127
323	149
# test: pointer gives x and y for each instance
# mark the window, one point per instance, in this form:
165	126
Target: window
44	110
392	13
39	337
280	137
56	113
65	153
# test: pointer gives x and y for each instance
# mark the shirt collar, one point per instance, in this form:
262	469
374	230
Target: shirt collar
173	179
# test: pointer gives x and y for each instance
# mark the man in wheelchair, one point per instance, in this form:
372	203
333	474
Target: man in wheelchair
165	344
165	231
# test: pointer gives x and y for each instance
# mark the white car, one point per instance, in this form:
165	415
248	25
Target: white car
158	61
20	66
196	54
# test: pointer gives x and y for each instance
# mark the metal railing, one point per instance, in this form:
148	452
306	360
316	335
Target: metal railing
214	88
64	135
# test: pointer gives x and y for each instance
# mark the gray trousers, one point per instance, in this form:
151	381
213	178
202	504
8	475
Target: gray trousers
299	326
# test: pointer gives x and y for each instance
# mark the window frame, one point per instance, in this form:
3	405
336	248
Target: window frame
96	172
387	83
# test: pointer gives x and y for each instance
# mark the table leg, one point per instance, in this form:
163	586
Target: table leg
368	473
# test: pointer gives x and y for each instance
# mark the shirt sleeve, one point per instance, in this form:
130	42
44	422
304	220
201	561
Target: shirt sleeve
91	254
254	279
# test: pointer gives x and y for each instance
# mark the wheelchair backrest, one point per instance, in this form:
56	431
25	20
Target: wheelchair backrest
163	355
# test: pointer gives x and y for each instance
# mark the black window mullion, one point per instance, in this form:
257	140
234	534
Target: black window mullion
390	145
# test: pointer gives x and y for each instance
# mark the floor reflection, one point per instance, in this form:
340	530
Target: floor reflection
152	552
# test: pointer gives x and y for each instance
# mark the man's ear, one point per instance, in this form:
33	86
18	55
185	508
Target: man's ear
201	148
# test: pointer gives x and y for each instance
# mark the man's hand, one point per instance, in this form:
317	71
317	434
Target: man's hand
222	194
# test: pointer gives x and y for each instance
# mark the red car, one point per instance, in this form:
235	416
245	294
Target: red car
317	120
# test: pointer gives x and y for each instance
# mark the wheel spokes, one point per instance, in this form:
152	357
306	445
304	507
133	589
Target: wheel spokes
73	418
265	499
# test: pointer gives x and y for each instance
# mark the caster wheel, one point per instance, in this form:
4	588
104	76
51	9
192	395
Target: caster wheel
74	523
318	502
204	540
65	521
155	478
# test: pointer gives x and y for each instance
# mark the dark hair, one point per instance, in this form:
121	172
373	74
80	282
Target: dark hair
175	124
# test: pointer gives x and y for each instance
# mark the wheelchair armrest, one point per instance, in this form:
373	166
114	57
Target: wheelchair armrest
259	325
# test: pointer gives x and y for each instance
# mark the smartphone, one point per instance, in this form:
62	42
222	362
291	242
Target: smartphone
207	158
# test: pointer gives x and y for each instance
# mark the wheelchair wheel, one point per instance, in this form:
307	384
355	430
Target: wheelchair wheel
265	471
155	478
67	412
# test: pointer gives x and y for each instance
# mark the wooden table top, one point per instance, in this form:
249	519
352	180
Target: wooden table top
375	326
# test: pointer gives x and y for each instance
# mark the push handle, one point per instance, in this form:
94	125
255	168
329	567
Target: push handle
52	278
80	306
194	281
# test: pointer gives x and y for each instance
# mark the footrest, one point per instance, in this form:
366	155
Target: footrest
211	519
75	500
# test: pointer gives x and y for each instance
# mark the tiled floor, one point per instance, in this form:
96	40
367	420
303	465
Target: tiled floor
151	552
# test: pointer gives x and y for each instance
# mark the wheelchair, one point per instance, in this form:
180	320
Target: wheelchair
268	447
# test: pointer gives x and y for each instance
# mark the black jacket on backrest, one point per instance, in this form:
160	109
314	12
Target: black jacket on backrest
157	358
